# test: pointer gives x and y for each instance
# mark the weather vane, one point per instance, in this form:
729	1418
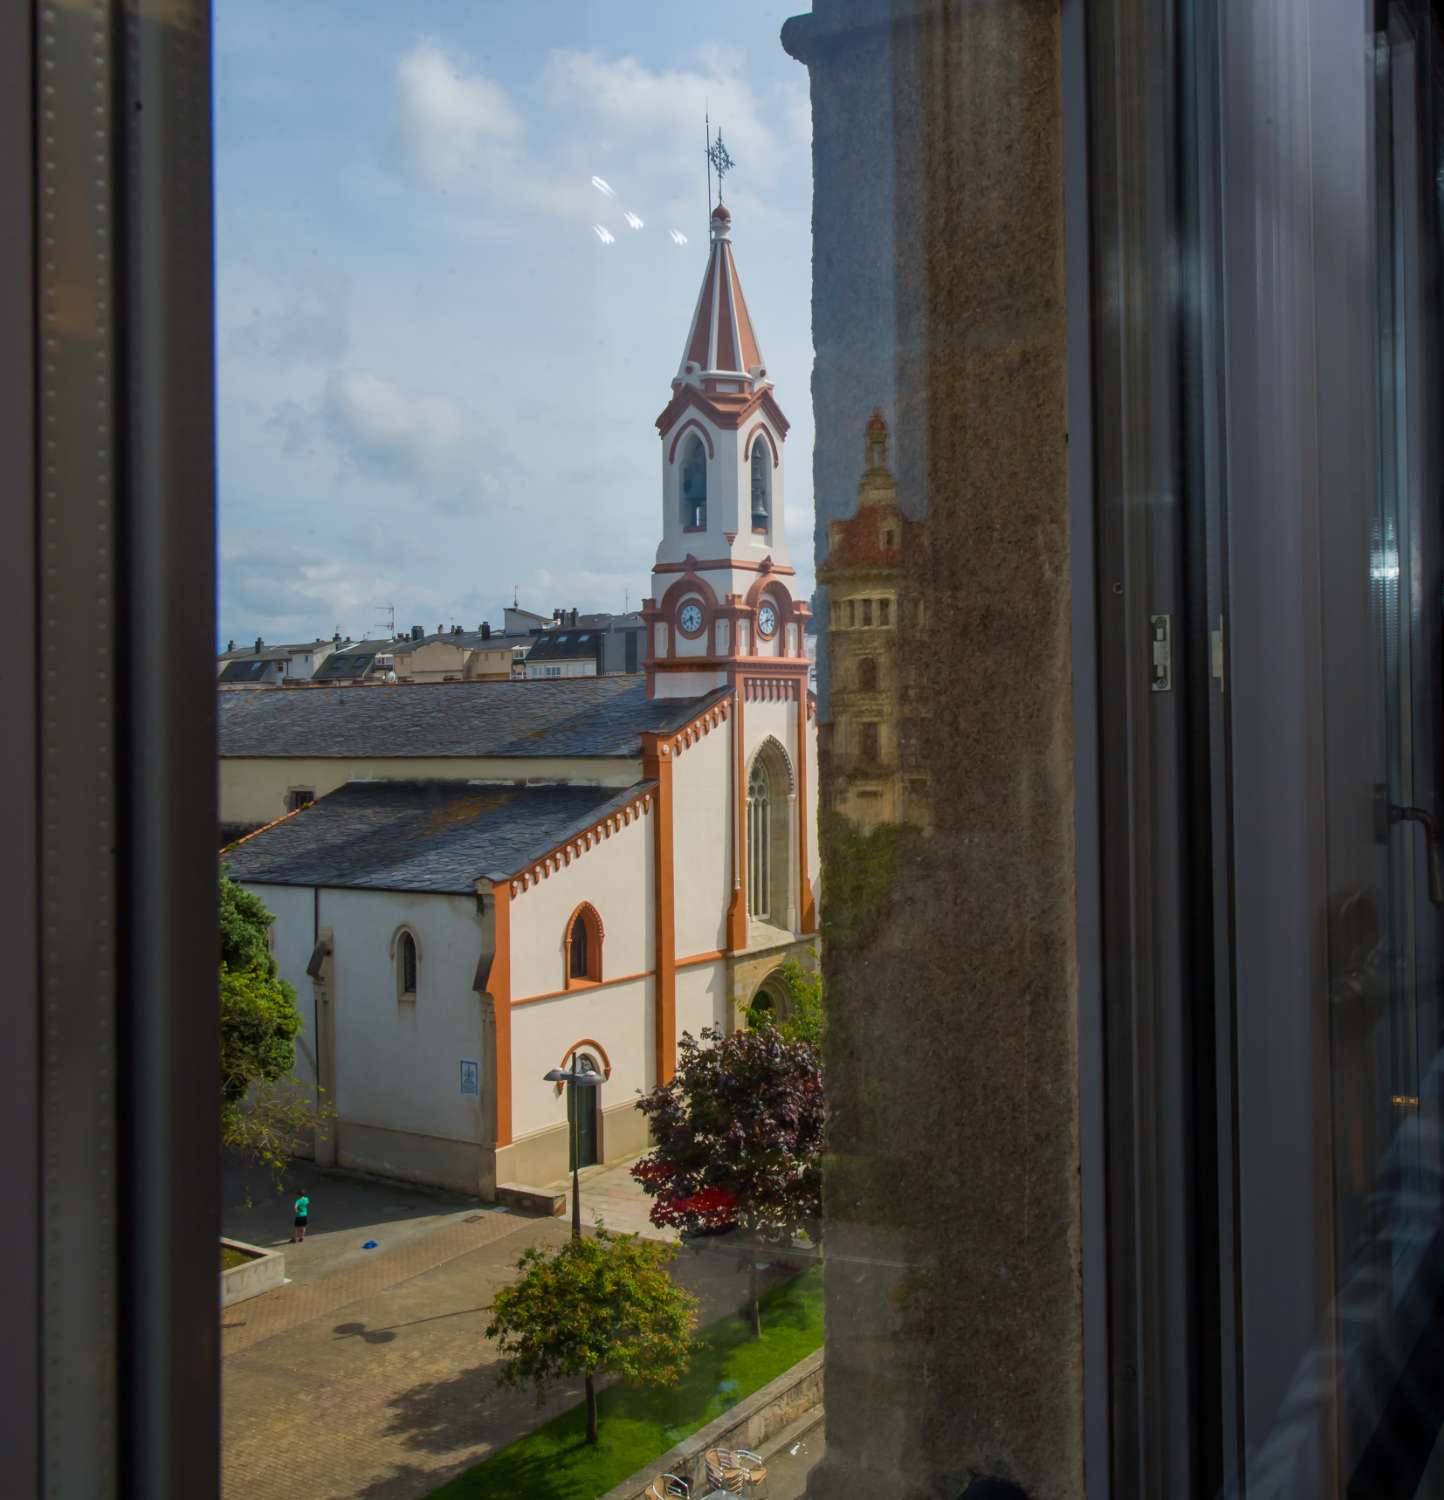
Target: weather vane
719	159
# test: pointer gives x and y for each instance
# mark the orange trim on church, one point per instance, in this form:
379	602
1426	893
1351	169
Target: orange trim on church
657	766
737	911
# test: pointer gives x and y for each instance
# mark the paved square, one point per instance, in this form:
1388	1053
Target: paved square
370	1374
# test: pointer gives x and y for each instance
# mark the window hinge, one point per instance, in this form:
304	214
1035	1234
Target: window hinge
1160	630
1215	651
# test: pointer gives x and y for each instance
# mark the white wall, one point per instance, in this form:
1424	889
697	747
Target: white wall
253	789
702	797
617	877
618	1016
702	997
398	1063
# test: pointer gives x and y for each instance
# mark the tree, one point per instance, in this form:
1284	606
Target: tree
803	1020
602	1306
738	1136
259	1026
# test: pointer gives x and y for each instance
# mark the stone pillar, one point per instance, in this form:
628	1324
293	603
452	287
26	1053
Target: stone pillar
951	1200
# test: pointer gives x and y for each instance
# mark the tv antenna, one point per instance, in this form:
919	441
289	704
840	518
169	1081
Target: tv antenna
389	610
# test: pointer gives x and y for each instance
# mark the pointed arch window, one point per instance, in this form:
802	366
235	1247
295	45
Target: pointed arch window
694	485
582	946
759	842
761	486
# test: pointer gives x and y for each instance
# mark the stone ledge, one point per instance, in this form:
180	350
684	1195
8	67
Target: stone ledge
264	1272
549	1202
792	1401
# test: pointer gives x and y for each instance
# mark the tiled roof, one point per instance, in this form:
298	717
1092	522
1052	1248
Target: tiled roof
420	835
579	716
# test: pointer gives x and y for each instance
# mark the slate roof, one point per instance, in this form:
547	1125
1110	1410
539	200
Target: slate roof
350	661
571	644
420	835
579	716
249	669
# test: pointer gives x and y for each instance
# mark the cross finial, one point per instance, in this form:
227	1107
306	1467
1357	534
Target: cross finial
721	161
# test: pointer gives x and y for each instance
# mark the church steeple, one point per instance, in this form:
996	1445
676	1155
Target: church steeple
721	343
720	590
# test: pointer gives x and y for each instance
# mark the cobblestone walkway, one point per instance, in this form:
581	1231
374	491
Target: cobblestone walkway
287	1307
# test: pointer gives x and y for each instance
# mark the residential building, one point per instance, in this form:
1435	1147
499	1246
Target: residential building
476	882
272	666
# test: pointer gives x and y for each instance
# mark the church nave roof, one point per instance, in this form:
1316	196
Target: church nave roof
436	836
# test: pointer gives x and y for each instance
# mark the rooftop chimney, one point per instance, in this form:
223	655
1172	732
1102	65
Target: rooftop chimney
230	645
259	643
417	633
485	630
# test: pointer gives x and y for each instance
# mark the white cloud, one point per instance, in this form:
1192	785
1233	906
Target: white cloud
435	446
457	124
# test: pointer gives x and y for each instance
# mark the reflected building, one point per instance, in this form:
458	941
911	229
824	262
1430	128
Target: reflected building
876	624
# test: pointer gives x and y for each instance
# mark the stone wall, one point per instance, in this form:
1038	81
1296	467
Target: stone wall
951	1200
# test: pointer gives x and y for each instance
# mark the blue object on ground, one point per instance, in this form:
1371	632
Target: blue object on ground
369	1245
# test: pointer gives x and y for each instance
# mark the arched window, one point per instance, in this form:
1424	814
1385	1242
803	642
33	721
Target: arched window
406	966
867	674
583	945
770	897
694	485
577	962
759	842
761	480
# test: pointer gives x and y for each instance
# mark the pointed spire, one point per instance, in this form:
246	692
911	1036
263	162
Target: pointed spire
721	342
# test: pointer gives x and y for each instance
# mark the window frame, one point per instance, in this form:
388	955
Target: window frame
591	920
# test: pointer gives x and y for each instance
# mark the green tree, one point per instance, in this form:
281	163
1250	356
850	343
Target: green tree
803	1020
260	1117
737	1144
603	1306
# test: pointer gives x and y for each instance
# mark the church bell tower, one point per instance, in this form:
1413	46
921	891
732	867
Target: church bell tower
722	596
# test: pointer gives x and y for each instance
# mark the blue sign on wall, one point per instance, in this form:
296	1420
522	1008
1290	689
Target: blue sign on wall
471	1078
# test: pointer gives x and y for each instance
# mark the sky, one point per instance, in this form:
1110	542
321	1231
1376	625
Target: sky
437	381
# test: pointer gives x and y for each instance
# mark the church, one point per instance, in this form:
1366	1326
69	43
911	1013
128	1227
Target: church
478	882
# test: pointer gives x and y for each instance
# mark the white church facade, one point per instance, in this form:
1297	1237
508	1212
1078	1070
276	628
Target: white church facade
496	878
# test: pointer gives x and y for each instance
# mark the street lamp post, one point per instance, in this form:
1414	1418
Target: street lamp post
575	1078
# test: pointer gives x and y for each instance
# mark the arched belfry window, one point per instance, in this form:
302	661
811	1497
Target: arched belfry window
694	484
583	947
406	965
761	486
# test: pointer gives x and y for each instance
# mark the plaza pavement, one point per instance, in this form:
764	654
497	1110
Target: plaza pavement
369	1375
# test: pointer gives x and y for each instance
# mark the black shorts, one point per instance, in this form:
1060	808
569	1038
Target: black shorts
300	1221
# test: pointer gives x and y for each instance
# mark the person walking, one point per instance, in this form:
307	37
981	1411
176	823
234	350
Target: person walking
303	1213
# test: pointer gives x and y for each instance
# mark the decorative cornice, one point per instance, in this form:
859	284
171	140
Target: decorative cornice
578	844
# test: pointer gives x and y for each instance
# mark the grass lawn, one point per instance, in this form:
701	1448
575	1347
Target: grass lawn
232	1258
638	1424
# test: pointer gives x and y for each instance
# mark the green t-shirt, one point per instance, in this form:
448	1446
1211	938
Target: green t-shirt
303	1206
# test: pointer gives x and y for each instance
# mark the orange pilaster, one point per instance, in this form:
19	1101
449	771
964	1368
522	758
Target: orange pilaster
657	766
737	911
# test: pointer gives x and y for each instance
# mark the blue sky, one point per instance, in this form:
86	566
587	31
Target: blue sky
436	381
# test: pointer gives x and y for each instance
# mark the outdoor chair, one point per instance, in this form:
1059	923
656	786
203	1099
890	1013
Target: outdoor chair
736	1471
668	1487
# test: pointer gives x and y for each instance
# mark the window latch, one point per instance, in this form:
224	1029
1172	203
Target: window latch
1160	671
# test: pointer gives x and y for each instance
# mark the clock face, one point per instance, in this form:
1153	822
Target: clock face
767	620
690	618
